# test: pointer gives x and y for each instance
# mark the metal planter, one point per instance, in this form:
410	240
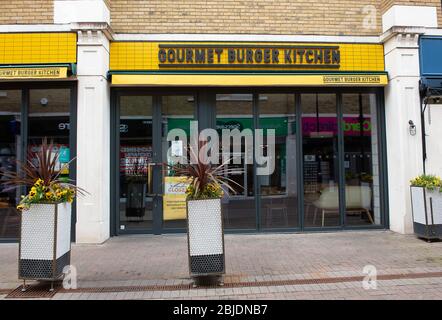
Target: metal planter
427	212
205	236
45	241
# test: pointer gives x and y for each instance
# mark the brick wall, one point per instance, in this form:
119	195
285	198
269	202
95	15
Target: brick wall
333	17
26	11
108	3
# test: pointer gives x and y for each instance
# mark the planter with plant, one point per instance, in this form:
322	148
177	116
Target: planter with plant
45	232
205	230
426	202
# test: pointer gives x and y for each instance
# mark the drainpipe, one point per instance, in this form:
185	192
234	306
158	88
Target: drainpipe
424	140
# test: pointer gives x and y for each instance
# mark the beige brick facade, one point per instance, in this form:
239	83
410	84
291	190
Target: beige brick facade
26	11
333	17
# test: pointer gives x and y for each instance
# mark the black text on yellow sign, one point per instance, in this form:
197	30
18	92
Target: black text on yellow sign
240	56
33	73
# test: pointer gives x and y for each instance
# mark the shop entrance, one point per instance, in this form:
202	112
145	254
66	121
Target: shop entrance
143	124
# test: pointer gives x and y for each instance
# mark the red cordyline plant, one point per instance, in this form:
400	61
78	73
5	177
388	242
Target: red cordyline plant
42	177
206	180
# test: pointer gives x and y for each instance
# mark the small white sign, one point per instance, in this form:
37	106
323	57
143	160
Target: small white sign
176	148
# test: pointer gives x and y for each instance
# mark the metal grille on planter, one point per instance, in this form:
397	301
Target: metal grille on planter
427	212
45	241
205	237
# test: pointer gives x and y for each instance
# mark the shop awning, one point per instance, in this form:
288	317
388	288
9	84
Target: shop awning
248	80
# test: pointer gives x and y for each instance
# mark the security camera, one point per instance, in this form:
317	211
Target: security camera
412	127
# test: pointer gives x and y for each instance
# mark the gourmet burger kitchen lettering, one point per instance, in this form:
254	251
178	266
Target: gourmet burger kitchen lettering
247	56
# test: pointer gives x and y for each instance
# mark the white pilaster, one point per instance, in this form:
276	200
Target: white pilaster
402	104
93	134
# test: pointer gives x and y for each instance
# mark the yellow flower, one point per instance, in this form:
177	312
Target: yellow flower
20	207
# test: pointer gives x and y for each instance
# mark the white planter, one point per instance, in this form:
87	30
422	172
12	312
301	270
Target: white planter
45	241
205	237
427	212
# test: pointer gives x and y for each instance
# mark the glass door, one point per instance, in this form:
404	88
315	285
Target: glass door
149	199
136	164
177	113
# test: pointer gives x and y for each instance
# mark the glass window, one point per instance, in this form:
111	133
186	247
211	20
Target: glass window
136	142
10	142
49	118
362	202
235	111
177	113
320	160
278	190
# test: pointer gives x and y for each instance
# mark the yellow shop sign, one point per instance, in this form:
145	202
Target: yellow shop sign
234	56
33	73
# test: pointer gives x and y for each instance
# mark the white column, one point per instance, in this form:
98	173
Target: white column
93	137
402	26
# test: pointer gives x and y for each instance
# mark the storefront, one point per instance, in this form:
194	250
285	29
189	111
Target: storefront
324	102
37	99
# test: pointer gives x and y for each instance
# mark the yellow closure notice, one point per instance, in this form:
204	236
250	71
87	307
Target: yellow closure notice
250	80
174	198
33	73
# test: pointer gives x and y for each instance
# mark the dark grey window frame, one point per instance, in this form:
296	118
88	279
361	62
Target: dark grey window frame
206	115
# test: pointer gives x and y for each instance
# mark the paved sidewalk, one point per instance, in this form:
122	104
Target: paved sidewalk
258	266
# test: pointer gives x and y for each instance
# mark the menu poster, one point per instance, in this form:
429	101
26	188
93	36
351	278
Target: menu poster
134	159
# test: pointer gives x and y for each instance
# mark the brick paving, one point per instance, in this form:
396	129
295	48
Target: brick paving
133	261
